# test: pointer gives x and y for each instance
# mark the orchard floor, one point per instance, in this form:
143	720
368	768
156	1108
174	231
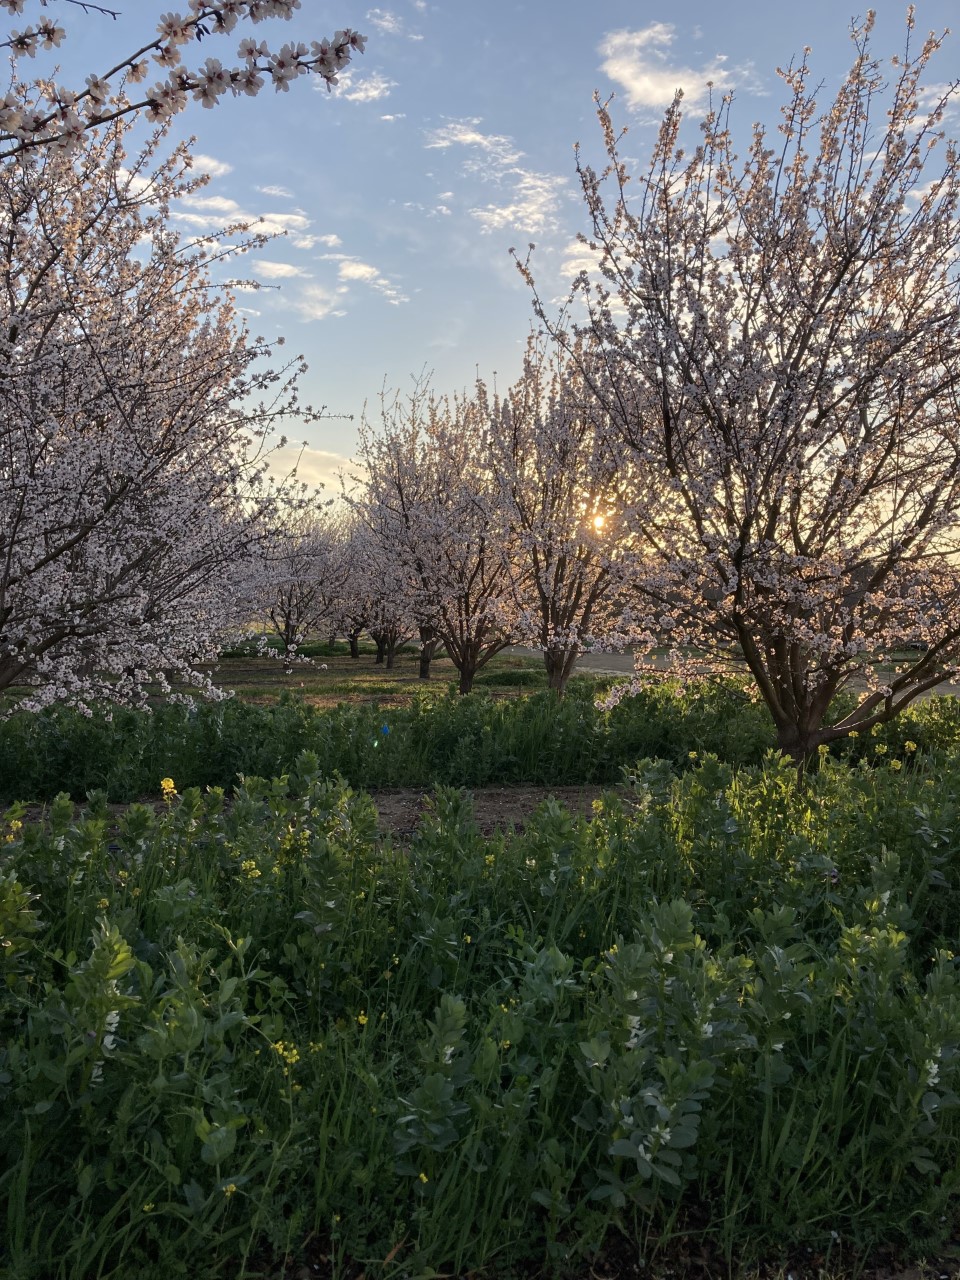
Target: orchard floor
495	808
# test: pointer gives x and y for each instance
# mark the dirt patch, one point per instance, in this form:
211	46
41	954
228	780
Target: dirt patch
495	808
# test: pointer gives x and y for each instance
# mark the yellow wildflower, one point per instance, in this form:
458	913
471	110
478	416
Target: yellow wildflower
102	904
909	746
423	1177
230	1189
168	787
362	1018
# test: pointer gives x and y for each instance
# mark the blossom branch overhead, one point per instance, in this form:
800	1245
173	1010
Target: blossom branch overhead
60	116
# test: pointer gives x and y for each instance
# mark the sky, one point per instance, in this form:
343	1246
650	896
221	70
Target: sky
449	141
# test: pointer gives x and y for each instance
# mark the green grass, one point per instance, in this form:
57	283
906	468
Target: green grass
332	676
722	1019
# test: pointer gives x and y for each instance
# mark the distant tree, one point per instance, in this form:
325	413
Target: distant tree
50	114
566	491
302	570
132	465
429	497
783	335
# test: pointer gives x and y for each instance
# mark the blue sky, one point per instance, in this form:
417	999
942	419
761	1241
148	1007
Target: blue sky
449	141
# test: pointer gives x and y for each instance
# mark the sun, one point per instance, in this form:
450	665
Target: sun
599	522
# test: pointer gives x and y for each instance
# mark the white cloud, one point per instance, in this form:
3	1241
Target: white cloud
210	213
280	192
577	257
391	24
532	207
531	198
314	466
495	148
209	164
400	115
213	204
385	21
352	270
331	241
639	61
315	303
370	89
431	211
275	270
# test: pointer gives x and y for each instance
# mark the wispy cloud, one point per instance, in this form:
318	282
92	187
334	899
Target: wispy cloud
315	302
208	213
368	89
392	24
532	207
400	115
209	164
385	21
276	270
354	271
281	193
640	62
495	149
531	198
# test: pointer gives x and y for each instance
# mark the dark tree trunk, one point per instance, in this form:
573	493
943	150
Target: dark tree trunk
559	664
428	647
353	640
466	679
380	641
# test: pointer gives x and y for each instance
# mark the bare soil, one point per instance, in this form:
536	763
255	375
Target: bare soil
496	808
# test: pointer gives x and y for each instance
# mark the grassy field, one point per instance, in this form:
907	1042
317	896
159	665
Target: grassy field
332	676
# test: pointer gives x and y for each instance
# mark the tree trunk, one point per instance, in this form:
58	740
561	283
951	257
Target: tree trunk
428	647
391	653
559	664
466	678
380	642
354	641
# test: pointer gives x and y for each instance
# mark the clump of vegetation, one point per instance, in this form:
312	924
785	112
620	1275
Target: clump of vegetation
472	742
726	1009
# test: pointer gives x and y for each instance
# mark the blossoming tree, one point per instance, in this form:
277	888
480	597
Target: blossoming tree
429	500
784	332
132	414
303	569
59	116
567	493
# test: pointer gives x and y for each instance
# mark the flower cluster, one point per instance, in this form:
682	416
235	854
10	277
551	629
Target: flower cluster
60	116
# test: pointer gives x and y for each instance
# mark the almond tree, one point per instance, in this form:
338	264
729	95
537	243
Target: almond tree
567	493
133	410
303	570
429	498
783	335
52	114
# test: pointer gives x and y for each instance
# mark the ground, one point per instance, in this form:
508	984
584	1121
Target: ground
495	808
